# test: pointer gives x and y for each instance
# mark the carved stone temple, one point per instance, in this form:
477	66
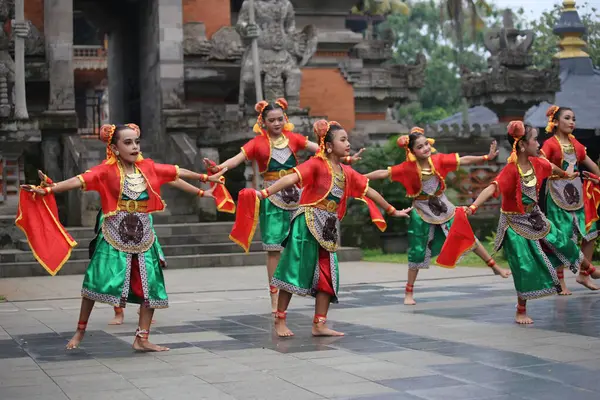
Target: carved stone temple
182	70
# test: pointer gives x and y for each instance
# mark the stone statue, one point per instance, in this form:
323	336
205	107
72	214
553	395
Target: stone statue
282	50
34	46
505	45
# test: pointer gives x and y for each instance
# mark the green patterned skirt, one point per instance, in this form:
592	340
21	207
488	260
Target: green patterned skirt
564	218
425	240
116	278
306	268
274	225
533	262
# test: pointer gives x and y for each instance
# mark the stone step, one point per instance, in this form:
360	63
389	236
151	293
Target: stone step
82	253
173	240
73	267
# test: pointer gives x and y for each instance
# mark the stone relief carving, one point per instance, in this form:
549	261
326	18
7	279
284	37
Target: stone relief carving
282	50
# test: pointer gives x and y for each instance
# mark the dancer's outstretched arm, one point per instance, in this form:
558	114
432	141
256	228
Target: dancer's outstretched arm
216	178
229	163
283	183
379	174
389	209
482	198
189	188
591	165
468	160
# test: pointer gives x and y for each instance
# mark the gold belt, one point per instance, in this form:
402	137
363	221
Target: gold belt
426	196
327	205
274	175
132	206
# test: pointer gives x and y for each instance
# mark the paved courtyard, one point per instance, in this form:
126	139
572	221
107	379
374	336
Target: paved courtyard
459	342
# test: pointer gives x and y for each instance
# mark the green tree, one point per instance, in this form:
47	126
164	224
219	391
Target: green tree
424	31
546	42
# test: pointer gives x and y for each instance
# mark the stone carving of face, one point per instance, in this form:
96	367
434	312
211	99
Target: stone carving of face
131	229
330	230
571	193
536	220
436	206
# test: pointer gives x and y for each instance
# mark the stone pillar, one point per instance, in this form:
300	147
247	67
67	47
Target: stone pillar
58	32
170	25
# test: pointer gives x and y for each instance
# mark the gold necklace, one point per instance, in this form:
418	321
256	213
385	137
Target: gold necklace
529	178
135	181
281	142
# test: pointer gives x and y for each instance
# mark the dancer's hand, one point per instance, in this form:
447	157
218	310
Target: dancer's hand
259	195
467	210
591	177
493	150
34	189
218	177
356	157
209	193
211	166
402	213
571	175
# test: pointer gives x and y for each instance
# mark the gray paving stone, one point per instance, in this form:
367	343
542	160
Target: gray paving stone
462	392
380	370
336	390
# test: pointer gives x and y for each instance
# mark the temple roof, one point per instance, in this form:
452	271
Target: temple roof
580	90
477	115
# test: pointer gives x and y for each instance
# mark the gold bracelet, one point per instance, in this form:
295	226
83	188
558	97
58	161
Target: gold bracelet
390	210
200	193
486	158
348	160
473	208
265	193
48	189
203	177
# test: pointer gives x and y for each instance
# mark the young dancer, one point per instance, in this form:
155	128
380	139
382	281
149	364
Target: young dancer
275	150
125	266
565	196
423	175
309	264
533	245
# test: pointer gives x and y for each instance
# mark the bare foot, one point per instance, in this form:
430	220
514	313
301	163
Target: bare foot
321	329
118	319
586	281
281	328
75	340
564	291
274	297
503	272
140	344
523	319
409	299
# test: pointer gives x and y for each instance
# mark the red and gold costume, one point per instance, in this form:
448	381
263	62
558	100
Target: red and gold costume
566	198
433	213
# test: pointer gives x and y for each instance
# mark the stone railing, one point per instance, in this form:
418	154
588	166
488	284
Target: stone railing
89	57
